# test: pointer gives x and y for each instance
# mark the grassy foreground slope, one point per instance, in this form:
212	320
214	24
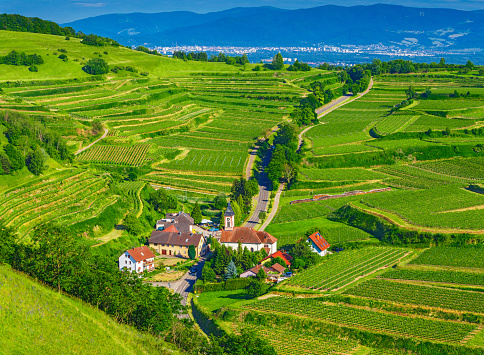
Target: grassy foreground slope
36	319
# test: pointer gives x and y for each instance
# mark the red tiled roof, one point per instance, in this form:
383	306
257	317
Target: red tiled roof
141	253
284	256
256	269
184	239
320	242
278	267
171	228
246	235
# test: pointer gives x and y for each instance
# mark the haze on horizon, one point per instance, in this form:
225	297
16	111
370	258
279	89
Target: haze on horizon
71	10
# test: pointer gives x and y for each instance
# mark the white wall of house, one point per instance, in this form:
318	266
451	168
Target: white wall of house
127	261
316	250
252	247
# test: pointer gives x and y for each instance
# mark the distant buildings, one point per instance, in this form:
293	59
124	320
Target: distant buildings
137	260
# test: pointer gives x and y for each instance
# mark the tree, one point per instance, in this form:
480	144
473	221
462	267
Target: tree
197	213
36	162
192	253
16	159
278	62
261	274
96	66
220	201
133	225
7	243
470	65
5	165
298	264
162	201
230	271
208	275
255	288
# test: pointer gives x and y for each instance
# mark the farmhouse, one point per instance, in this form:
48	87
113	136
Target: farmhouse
249	238
137	260
273	271
182	222
318	244
175	243
253	272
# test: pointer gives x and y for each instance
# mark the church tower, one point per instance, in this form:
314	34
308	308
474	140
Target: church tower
229	218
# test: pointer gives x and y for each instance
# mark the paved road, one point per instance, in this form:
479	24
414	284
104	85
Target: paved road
274	208
333	105
97	140
264	192
184	285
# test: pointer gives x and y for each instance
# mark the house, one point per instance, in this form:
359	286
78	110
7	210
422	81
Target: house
182	222
253	272
272	272
318	244
137	260
279	254
249	238
175	243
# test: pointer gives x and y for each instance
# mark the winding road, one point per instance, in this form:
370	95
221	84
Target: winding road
97	140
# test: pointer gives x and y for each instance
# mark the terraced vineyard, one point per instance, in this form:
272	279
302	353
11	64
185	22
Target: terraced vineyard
131	156
361	318
67	197
438	276
345	267
470	257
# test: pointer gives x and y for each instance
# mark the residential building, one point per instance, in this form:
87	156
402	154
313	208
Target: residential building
137	260
318	244
174	243
284	256
183	223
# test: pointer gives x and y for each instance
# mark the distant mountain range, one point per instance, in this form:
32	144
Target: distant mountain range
405	27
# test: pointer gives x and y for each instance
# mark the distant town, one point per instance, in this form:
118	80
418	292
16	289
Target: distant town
319	54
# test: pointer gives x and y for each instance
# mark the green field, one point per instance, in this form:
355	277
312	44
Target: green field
36	319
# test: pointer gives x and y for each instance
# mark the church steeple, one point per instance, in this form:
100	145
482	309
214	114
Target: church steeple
229	217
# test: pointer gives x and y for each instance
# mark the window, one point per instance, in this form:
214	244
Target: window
251	249
126	261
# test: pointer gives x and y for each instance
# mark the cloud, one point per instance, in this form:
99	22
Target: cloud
89	4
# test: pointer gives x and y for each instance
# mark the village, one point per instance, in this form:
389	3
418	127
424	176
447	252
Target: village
189	247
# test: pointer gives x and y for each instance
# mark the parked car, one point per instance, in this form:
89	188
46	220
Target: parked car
288	274
193	270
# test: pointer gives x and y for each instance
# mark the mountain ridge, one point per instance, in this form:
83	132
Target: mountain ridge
270	26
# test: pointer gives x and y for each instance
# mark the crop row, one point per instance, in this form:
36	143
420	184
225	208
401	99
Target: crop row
444	276
362	318
421	295
472	257
345	267
118	155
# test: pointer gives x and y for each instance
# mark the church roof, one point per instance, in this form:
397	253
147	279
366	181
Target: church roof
229	211
246	235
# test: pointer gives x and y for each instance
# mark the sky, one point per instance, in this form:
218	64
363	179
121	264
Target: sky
62	11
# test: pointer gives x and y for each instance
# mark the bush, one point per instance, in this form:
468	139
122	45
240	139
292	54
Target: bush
63	57
96	66
34	68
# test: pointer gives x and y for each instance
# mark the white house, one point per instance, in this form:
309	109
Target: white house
318	244
137	260
248	237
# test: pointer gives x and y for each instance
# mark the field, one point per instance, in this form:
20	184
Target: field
342	269
36	319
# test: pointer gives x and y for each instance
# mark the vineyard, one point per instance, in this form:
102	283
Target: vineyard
344	268
421	295
467	257
422	328
130	156
438	276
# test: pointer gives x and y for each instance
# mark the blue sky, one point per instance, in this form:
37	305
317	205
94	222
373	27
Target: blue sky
63	11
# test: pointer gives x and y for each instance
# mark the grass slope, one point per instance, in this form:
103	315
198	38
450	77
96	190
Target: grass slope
38	320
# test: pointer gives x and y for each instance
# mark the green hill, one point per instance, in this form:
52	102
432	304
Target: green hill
38	320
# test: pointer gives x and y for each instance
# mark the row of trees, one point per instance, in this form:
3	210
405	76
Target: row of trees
203	57
20	23
30	144
285	157
228	263
17	58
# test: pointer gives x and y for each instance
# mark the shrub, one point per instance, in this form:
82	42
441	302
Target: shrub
34	68
96	66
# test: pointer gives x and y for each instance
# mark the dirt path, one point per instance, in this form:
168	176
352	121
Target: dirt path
97	140
333	105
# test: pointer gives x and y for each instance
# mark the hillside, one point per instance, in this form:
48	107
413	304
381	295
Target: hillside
403	27
38	320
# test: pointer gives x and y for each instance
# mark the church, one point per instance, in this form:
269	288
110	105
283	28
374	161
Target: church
249	237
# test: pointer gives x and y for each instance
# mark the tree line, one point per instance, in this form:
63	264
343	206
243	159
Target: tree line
203	57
